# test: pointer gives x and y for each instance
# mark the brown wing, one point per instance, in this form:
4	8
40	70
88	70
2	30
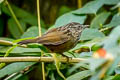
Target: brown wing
53	37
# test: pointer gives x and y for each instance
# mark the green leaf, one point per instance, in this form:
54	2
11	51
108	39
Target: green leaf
111	41
10	50
108	78
7	54
117	77
51	27
63	10
89	44
111	2
6	39
52	76
115	7
14	67
93	6
68	54
79	45
37	45
77	66
95	63
88	34
20	13
80	75
117	70
12	26
90	8
1	1
20	50
113	66
21	77
85	54
99	20
32	32
114	22
69	17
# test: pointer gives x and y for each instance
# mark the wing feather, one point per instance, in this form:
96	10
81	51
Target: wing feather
53	38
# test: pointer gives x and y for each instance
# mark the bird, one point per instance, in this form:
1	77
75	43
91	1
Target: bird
60	39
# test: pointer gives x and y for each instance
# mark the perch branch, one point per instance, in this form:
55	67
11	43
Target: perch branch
39	59
3	42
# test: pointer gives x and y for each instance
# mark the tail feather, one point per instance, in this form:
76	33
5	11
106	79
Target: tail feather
27	41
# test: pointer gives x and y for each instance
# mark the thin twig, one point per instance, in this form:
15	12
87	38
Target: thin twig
14	17
104	29
39	27
38	14
79	3
7	43
39	59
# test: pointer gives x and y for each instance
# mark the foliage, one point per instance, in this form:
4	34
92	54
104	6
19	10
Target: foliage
103	16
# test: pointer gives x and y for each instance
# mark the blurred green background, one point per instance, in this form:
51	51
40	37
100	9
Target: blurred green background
103	16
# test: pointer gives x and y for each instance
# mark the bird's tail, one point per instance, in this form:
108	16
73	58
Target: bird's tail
27	41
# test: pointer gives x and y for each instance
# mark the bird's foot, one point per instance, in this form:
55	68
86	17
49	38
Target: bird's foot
67	57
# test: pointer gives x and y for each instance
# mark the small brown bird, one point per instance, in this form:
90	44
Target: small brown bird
60	39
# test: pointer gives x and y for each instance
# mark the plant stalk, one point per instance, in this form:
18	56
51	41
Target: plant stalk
14	17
